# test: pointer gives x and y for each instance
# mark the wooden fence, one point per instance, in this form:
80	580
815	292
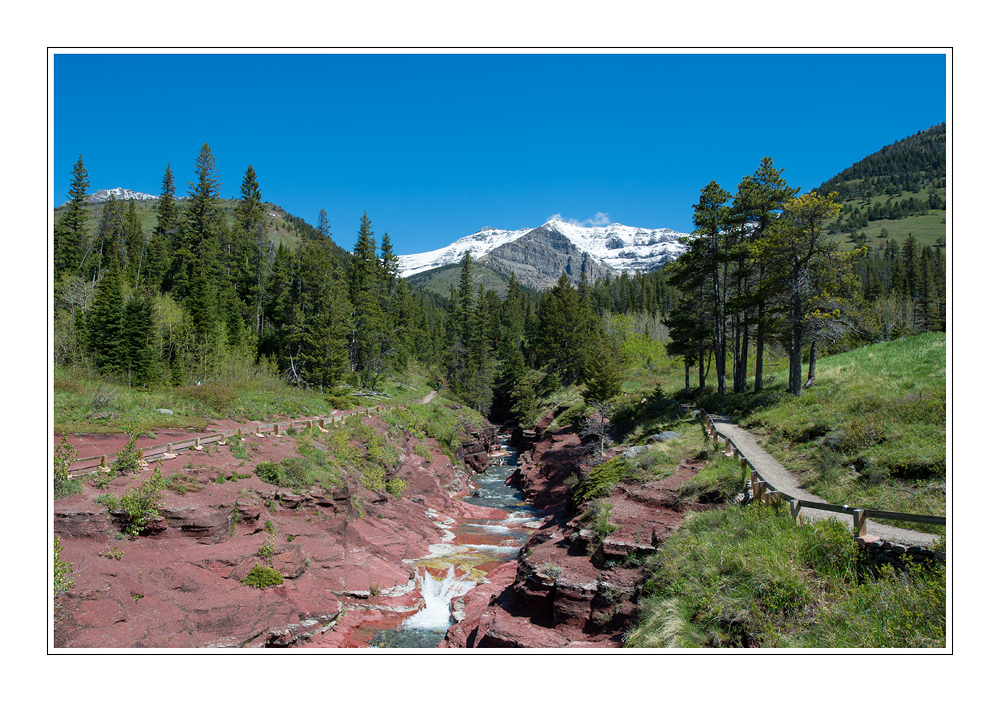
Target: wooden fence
764	492
170	450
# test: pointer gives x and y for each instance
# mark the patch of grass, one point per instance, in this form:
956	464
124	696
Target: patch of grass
748	577
871	432
722	479
182	483
263	577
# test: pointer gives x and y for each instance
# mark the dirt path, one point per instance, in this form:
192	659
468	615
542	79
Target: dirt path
430	397
779	477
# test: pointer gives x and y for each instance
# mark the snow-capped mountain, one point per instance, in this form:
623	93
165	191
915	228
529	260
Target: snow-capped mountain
619	247
119	194
480	244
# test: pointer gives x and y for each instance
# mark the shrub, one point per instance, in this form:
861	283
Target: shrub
289	472
141	503
62	573
263	577
63	458
109	501
216	396
129	459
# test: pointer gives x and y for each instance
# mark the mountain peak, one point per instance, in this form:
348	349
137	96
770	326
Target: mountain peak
119	194
617	246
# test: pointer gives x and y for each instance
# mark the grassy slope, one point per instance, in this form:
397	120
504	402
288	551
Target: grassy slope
926	228
146	209
739	577
78	393
441	280
871	432
748	577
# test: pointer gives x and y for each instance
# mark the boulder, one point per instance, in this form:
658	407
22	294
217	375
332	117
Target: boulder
662	436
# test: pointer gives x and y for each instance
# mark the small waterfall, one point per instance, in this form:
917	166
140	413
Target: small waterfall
500	542
437	594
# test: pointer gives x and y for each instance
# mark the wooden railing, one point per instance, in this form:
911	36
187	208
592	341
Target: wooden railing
765	492
169	450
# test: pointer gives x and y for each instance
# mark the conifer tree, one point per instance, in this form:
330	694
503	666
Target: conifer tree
69	236
371	349
135	246
249	243
137	352
204	227
562	327
105	321
165	236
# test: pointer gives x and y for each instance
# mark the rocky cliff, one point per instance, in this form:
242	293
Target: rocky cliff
343	551
569	588
541	256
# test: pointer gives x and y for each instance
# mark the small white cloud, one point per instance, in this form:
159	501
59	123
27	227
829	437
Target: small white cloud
600	219
555	218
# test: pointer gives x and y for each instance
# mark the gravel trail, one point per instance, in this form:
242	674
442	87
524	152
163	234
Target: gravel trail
774	473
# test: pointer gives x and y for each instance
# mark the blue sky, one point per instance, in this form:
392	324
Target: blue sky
435	147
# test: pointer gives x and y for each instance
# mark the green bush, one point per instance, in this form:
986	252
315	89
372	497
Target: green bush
263	577
109	501
62	459
129	459
216	396
289	472
62	573
141	504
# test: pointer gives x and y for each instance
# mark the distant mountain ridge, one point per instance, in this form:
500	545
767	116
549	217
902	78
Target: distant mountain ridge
119	194
539	255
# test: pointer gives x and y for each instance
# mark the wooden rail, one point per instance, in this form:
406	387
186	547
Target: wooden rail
763	491
169	450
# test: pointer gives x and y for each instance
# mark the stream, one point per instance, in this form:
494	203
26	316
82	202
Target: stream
469	550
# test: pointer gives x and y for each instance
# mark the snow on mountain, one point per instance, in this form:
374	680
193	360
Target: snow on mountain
618	246
621	247
119	194
480	244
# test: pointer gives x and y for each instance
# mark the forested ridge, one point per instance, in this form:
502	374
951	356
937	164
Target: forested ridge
207	292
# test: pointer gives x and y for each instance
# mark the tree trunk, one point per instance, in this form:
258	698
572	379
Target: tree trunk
812	365
701	369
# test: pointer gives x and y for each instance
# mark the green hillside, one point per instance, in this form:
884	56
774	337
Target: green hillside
283	228
898	190
441	280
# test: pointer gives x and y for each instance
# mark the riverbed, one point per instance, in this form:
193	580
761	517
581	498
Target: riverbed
469	550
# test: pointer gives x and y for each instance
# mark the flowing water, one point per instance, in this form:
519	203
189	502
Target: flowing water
471	548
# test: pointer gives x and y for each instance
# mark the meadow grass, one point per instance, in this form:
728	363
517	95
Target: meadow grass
749	577
79	393
872	431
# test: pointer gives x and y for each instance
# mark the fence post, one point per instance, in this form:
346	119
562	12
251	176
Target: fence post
197	444
860	523
222	439
277	432
104	461
796	508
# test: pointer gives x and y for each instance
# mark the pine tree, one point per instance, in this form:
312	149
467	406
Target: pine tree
165	236
105	321
371	350
69	236
200	252
248	243
562	330
135	246
795	246
137	352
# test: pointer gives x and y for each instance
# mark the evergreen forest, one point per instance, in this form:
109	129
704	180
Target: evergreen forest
207	293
